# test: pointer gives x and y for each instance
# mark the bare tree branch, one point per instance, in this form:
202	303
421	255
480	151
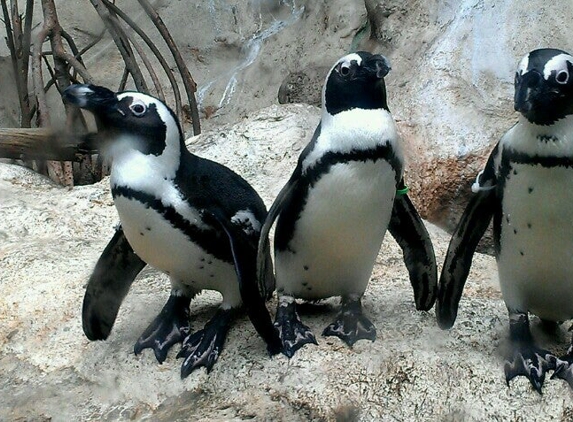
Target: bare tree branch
156	52
123	81
148	66
121	43
188	82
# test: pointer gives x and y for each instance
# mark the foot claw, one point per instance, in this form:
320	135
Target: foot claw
564	369
168	328
203	347
198	351
351	325
532	363
293	333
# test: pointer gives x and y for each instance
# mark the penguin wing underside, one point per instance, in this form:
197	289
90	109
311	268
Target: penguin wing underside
407	228
473	224
244	256
108	285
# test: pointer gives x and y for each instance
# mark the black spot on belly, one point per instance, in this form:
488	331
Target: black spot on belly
515	172
514	231
530	190
304	283
141	233
521	252
202	260
528	225
148	229
211	275
306	267
209	262
201	267
309	288
507	218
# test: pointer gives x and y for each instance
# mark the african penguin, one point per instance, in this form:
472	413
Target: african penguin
527	186
334	211
189	217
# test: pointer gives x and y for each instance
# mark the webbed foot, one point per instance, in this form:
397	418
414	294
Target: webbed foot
203	347
564	367
169	327
293	333
527	359
531	362
351	324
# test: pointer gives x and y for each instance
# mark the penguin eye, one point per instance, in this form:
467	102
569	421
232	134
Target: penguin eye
344	69
138	109
562	77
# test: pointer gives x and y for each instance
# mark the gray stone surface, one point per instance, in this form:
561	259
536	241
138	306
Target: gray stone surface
51	237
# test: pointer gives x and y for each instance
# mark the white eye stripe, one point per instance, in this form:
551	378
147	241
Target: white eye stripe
558	64
523	64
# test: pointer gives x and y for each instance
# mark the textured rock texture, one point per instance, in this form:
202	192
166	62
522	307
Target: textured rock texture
451	86
50	238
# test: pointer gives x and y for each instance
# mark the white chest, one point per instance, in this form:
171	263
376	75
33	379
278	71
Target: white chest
163	246
339	232
536	258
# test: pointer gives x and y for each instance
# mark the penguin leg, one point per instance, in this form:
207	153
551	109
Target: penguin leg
293	333
169	327
351	324
526	359
203	347
564	366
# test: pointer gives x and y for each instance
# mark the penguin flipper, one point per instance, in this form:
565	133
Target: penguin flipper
264	263
407	228
473	224
244	257
108	285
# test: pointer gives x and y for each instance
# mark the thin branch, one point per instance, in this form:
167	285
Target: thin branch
156	52
123	81
188	82
148	66
15	48
122	44
76	64
42	117
92	43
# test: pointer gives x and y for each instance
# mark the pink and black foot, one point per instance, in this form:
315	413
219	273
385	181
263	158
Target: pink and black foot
293	333
351	324
526	359
171	326
203	347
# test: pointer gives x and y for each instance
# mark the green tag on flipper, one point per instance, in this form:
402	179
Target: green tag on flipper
403	191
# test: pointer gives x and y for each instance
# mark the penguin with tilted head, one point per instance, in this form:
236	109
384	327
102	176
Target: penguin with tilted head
346	191
527	187
191	218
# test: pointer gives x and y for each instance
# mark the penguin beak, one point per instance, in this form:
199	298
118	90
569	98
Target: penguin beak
378	66
97	99
529	87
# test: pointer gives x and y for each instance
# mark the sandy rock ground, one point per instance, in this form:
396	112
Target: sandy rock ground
51	237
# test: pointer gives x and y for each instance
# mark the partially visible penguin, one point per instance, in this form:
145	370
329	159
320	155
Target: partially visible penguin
189	217
345	192
527	186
